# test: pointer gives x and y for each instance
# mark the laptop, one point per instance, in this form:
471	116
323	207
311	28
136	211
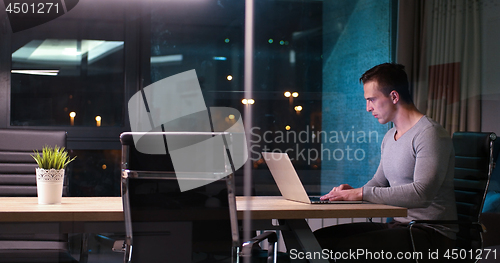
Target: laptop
289	183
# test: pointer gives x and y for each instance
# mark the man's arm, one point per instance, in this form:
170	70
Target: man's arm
378	178
433	150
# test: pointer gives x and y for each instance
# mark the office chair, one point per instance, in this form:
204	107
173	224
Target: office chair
17	178
475	153
162	221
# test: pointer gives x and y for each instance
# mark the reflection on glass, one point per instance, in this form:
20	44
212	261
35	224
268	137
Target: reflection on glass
53	77
287	57
63	52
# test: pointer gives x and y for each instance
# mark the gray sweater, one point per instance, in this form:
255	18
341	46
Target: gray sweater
416	172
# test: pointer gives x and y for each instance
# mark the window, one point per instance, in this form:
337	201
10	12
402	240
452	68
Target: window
70	71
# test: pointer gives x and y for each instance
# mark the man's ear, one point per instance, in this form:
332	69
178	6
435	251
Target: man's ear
394	95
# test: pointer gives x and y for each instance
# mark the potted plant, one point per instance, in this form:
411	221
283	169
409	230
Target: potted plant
50	173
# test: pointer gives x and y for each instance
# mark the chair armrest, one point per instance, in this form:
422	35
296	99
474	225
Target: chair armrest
479	226
271	237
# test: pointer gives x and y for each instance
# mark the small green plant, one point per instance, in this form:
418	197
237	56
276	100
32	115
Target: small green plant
56	158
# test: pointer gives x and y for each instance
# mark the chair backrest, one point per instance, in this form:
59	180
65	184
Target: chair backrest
474	162
17	167
151	193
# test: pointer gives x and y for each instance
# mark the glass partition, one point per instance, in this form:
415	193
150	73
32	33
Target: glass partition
307	99
79	71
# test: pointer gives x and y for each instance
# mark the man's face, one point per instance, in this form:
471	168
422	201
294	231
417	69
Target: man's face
382	107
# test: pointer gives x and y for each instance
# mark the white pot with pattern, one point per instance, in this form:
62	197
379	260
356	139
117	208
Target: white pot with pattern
49	185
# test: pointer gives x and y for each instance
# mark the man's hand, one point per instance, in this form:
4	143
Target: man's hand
344	192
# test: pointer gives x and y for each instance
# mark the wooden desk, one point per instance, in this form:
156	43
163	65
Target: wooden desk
109	209
71	209
276	207
105	214
73	215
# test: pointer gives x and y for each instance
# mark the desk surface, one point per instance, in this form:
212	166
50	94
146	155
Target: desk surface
276	207
95	209
89	209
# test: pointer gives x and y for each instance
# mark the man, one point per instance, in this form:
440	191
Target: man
415	171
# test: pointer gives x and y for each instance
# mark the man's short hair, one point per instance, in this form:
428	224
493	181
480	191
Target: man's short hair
389	76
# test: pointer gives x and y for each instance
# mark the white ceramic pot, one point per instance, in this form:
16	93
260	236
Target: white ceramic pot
49	186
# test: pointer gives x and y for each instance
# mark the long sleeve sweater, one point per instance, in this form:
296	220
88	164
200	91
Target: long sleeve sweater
416	171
